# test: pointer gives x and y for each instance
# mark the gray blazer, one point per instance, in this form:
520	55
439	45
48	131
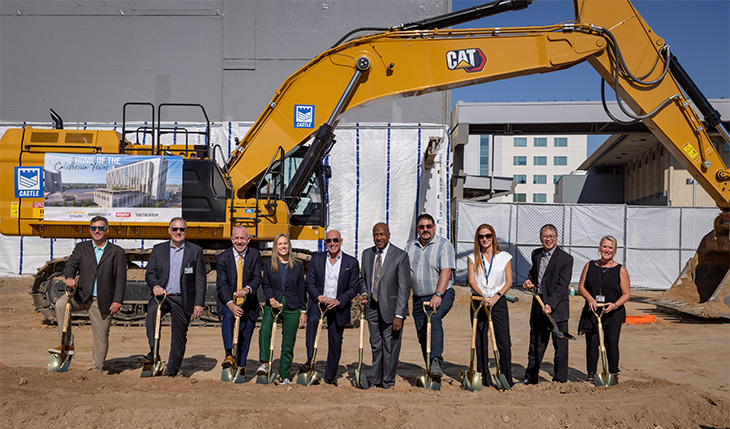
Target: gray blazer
110	273
394	287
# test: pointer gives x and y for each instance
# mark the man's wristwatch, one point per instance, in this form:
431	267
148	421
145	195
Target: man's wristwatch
439	294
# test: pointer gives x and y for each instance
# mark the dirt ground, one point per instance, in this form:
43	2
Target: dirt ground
675	374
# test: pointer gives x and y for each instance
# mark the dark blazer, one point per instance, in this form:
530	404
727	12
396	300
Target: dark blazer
555	282
192	286
395	281
348	284
110	273
227	277
293	290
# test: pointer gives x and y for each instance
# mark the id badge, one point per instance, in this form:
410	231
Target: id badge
189	270
600	298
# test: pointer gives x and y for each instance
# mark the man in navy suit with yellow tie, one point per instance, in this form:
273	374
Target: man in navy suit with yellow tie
239	272
333	280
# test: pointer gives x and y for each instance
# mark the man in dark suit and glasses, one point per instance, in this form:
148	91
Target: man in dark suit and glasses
178	268
238	271
551	272
333	280
102	270
385	287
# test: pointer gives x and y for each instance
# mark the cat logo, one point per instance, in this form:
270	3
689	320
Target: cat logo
470	60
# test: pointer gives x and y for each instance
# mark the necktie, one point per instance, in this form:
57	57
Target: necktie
376	275
239	278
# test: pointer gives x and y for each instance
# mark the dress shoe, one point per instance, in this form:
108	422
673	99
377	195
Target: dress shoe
332	382
304	367
57	350
228	362
148	358
526	382
436	368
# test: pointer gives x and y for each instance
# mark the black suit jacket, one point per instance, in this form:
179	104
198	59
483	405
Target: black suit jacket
348	284
555	282
293	290
227	278
192	285
110	273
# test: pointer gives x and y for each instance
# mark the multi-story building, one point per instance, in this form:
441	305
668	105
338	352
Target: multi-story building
135	184
535	162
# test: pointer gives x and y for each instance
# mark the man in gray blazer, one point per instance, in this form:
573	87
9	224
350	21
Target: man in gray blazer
385	285
178	268
102	270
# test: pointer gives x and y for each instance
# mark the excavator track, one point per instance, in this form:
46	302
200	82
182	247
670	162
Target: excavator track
48	286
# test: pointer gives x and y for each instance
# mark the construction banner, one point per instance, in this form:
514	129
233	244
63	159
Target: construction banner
121	188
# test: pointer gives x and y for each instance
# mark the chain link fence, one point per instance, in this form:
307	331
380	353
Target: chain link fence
654	243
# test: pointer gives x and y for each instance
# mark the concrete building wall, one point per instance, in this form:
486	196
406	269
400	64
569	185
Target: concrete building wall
86	58
657	178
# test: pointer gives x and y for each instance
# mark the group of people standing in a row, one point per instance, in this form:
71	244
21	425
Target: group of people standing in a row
389	276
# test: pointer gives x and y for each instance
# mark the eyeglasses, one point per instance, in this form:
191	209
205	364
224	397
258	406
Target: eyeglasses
331	240
422	227
177	229
100	228
548	237
483	236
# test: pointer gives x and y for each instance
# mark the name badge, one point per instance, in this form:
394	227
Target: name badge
189	270
600	298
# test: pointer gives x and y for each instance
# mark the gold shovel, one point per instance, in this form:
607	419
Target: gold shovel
556	331
500	380
156	367
427	380
60	361
270	376
605	378
361	381
233	373
310	377
472	380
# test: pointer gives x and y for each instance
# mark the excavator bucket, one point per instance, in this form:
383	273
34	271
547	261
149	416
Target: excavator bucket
703	286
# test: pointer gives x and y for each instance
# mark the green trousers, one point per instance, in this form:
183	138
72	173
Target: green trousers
290	324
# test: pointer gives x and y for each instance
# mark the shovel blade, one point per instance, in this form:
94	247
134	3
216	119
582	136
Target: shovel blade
471	382
309	378
428	382
153	369
565	335
605	379
58	365
240	376
228	374
500	381
361	381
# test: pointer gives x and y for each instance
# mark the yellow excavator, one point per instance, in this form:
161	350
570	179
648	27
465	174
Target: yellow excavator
405	60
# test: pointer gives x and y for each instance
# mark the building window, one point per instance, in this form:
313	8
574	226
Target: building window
560	142
484	155
539	160
556	178
539	198
519	198
560	160
540	142
520	141
519	178
519	160
539	179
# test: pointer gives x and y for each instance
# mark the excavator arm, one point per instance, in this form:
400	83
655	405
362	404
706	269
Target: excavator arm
415	59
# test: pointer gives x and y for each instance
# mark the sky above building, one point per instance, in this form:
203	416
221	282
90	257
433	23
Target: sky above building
697	31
